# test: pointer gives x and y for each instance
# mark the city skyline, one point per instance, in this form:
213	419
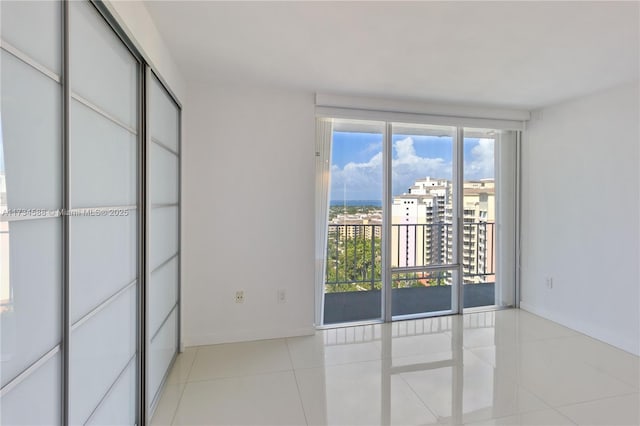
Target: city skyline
422	234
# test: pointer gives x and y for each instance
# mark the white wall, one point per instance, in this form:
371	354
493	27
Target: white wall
248	213
581	187
137	22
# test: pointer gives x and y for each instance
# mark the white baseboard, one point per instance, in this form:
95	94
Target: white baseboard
526	307
245	336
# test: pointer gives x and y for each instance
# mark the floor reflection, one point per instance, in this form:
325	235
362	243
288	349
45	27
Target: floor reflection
506	367
419	361
447	370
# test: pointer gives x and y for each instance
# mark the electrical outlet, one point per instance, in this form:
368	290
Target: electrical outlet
549	282
282	296
240	296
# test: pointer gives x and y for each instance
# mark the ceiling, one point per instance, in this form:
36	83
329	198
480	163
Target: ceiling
509	54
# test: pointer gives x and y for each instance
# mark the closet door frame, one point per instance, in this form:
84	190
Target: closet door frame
144	75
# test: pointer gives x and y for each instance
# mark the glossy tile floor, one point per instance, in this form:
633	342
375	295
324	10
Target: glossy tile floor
494	368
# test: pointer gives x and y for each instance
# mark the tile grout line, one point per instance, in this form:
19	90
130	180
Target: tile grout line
295	378
520	415
570	420
596	366
602	370
175	412
517	378
433	413
596	400
557	409
242	374
193	361
544	402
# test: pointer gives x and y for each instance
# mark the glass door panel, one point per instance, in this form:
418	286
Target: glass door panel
353	276
422	292
422	219
488	240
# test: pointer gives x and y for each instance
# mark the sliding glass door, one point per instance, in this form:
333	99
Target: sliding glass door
489	213
443	237
353	281
423	232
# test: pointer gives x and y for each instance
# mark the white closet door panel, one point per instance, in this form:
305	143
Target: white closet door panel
104	258
119	407
100	349
161	352
163	117
103	160
37	399
163	238
163	293
35	28
102	70
163	169
30	287
31	139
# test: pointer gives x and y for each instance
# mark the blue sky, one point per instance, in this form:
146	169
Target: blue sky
356	162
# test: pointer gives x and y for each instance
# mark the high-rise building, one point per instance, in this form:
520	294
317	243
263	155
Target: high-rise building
365	225
478	240
419	228
422	227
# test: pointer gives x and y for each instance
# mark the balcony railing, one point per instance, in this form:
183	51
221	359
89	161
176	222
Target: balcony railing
354	257
354	253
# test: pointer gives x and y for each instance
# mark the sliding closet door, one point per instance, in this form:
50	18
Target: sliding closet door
87	277
30	220
163	173
103	222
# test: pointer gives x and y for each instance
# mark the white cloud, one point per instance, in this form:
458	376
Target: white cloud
481	163
374	147
408	166
358	181
364	180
